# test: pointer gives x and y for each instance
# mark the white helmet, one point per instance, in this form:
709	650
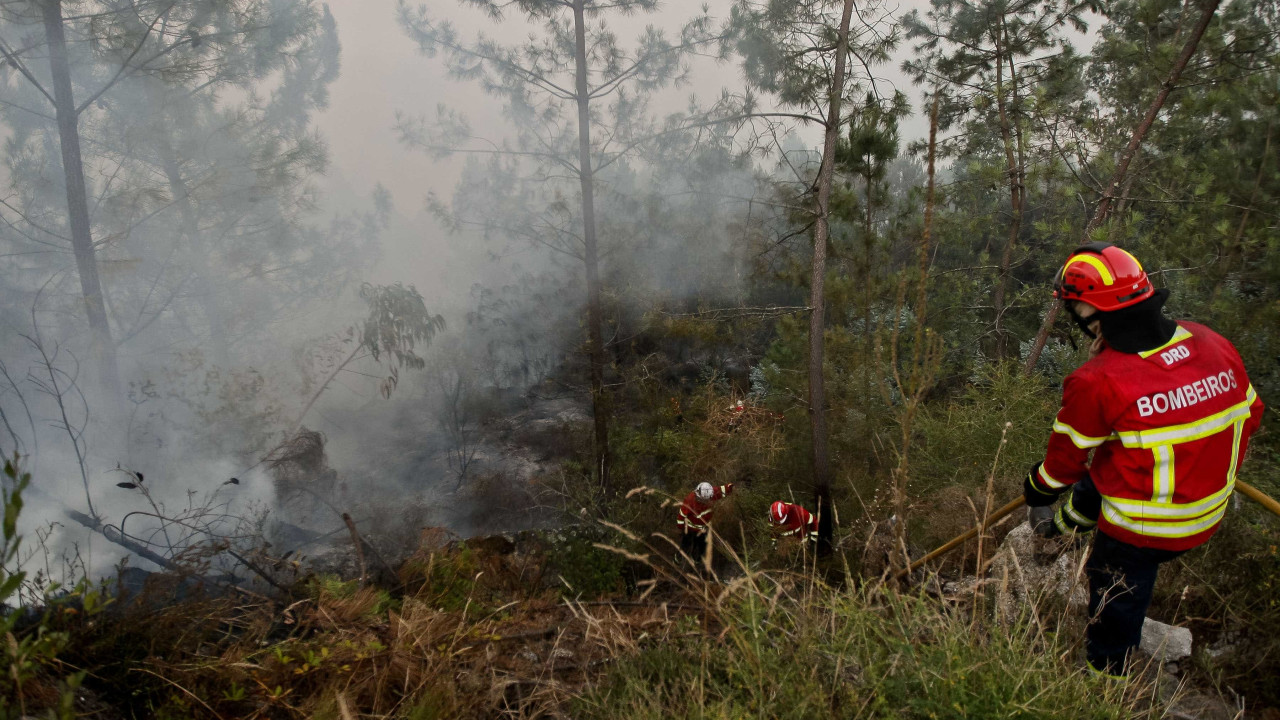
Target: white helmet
704	491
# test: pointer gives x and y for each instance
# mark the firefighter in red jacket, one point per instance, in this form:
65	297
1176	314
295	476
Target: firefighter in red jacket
1167	410
694	517
793	521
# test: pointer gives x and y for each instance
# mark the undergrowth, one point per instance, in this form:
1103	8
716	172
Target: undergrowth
859	654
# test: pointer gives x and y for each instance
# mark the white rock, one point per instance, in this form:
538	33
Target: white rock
1165	643
1024	580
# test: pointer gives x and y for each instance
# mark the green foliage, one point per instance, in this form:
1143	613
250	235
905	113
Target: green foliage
29	654
447	578
586	570
1002	412
861	654
398	322
332	586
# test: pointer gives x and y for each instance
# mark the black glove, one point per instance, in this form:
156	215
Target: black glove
1034	495
1041	519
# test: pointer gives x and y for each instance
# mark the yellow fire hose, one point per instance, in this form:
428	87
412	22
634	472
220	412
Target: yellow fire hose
1259	497
1245	488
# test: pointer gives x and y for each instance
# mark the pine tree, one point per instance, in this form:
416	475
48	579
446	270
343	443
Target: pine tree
577	98
800	53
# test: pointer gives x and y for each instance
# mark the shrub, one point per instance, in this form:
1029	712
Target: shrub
587	571
30	638
859	654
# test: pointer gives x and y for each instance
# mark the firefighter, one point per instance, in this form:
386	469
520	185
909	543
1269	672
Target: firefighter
738	410
1167	410
694	517
793	521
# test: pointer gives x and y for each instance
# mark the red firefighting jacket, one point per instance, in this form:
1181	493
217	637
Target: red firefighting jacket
694	515
799	523
1167	427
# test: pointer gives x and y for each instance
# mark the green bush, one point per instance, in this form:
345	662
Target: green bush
29	671
586	570
448	577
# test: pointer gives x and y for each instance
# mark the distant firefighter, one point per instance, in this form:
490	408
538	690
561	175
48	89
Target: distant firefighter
694	517
793	521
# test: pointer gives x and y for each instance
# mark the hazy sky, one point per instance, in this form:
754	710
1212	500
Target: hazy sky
382	72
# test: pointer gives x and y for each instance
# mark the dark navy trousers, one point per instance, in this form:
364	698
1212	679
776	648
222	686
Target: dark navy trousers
1122	578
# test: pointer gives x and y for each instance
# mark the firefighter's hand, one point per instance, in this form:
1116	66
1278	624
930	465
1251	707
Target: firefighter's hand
728	488
1041	519
1031	491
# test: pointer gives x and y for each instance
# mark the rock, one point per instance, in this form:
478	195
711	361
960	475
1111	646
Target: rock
1024	577
1165	643
1226	644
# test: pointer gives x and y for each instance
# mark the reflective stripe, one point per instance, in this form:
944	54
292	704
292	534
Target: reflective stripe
1095	672
1144	509
1174	529
1235	452
1187	432
1081	441
1060	523
1178	336
1075	515
1049	480
1097	264
1162	490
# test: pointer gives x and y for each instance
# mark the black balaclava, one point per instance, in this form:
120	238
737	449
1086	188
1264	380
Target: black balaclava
1138	327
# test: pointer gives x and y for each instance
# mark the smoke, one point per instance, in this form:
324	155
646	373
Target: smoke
240	189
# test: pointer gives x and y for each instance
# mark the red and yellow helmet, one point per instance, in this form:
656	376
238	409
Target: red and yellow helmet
778	512
1103	276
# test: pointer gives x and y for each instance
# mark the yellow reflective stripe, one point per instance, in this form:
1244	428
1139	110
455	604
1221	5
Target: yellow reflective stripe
1235	452
1080	440
1095	672
1186	432
1184	528
1075	515
1162	485
1131	257
1049	480
1144	509
1107	279
1178	336
1060	523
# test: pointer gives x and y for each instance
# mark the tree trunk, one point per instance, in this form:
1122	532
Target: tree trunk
102	346
595	320
1014	173
817	300
1122	167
